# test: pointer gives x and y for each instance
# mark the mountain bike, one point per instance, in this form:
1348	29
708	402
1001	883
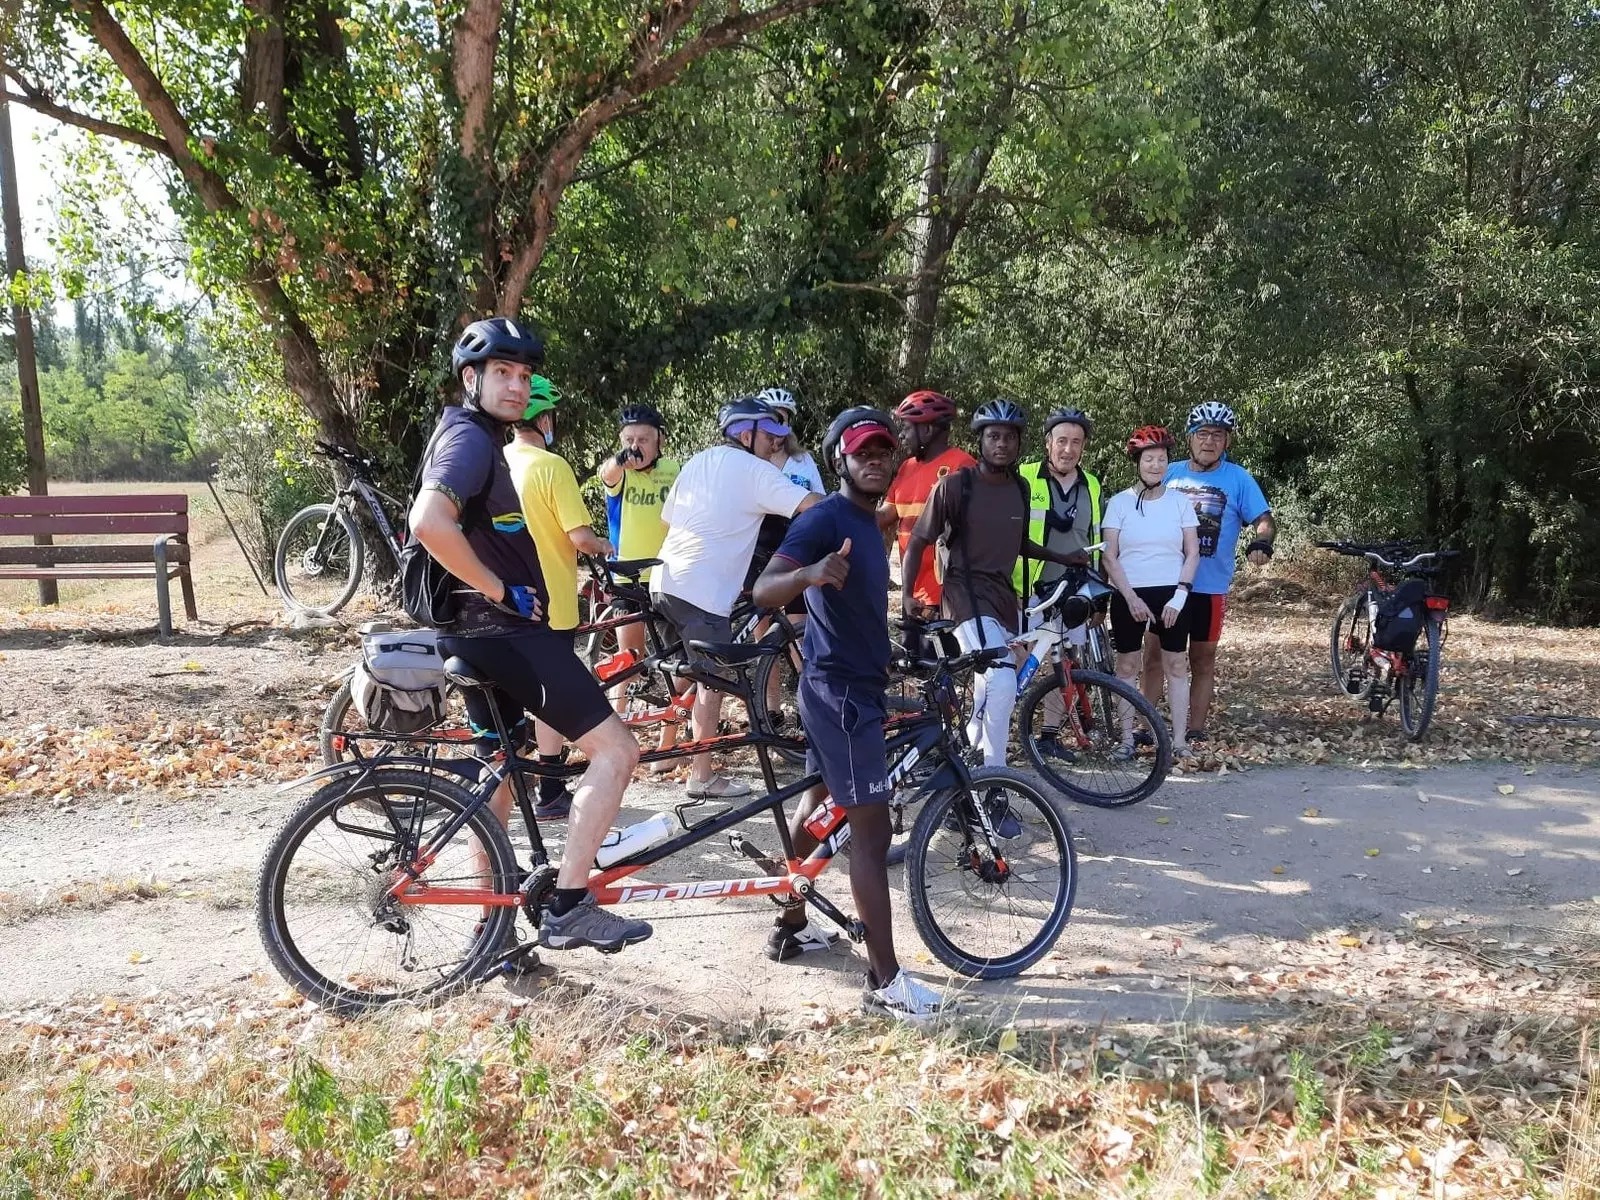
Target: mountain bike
370	894
1074	722
320	555
1365	670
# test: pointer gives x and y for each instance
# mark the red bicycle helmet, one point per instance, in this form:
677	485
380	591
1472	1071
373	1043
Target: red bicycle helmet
926	408
1148	437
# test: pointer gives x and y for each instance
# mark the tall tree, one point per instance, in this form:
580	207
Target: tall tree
362	173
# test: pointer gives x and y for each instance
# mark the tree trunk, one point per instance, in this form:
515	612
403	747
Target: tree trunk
930	243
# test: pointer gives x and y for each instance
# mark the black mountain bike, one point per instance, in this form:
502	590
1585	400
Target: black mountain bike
319	559
394	882
1364	669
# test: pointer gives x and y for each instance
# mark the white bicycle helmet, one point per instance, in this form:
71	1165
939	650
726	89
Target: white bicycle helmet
780	398
1212	412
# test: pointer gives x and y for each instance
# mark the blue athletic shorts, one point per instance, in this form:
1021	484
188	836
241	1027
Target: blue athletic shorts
844	733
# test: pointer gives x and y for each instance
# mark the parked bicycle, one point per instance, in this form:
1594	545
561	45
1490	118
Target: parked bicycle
370	894
1075	723
1387	641
320	556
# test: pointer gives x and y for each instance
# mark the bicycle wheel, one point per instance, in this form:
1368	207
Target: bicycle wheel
984	911
774	696
318	560
1074	735
1419	686
1347	647
321	906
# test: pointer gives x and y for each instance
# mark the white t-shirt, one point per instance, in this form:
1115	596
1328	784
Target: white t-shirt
713	514
803	471
1150	535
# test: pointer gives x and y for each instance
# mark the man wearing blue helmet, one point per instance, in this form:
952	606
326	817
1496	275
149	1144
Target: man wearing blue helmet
1226	498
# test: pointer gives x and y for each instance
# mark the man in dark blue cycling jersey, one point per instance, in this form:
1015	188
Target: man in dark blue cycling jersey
834	554
468	516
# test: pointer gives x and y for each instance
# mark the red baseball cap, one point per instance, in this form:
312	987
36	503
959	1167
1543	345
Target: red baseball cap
859	434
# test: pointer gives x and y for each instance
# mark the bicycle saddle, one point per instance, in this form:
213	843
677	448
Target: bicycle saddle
463	674
632	567
733	653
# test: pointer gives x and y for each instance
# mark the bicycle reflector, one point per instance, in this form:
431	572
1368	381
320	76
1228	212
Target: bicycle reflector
1439	603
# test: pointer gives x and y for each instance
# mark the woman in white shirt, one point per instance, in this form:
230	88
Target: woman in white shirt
1152	552
794	460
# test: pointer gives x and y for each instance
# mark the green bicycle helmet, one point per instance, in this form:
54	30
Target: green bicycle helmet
542	397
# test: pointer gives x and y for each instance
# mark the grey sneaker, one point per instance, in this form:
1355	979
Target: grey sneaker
587	924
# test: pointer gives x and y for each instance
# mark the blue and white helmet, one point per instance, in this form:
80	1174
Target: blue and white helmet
1212	412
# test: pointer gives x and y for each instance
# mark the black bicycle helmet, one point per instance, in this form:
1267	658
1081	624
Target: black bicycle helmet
850	417
745	408
1000	412
498	337
641	414
1069	416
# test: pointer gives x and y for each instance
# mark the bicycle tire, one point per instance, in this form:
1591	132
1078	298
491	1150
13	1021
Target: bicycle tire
284	558
336	720
786	721
1347	648
926	914
1417	711
1094	776
414	787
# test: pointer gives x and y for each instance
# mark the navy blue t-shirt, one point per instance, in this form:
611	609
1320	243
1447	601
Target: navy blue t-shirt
847	630
465	459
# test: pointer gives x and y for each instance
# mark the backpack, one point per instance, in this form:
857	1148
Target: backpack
427	590
399	685
1400	617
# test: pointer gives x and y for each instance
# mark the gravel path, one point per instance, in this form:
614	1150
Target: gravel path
1234	874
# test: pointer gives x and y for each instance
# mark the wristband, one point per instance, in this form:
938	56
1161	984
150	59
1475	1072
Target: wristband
1260	544
1180	593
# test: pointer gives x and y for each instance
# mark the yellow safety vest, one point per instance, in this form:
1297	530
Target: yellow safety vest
1036	475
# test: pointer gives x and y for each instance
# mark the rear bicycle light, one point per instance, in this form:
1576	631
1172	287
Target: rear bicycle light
1439	603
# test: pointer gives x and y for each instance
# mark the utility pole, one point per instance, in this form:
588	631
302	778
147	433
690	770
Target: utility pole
22	322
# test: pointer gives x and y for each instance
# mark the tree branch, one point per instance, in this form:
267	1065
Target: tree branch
304	369
38	100
650	71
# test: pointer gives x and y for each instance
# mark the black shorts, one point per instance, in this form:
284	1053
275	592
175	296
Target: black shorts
1128	634
844	738
535	672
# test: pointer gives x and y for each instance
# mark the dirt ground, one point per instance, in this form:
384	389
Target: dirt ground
1316	859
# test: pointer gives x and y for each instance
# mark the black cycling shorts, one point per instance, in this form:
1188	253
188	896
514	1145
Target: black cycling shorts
535	672
1128	634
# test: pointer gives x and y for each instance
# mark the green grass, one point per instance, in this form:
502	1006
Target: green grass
562	1096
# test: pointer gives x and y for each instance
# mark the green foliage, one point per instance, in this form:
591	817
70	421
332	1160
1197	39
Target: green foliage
13	453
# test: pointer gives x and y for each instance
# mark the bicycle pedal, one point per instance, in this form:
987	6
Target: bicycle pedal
856	931
750	850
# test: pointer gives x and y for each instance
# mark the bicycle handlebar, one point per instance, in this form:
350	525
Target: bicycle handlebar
1377	554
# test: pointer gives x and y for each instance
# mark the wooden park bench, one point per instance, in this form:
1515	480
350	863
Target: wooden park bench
165	516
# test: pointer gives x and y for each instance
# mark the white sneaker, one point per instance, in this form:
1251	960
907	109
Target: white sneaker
904	998
718	787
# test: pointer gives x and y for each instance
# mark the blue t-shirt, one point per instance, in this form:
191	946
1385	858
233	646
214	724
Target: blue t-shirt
847	629
466	460
1226	499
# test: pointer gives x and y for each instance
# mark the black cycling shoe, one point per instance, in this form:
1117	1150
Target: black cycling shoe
1195	735
1050	746
1142	738
554	807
